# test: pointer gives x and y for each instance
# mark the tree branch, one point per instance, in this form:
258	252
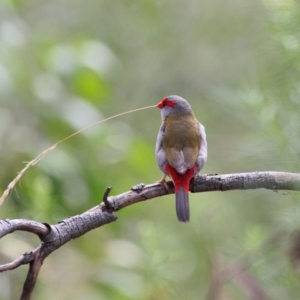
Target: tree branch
32	275
9	226
22	260
210	183
55	236
247	181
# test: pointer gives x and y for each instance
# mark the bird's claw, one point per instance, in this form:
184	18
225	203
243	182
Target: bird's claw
199	177
164	183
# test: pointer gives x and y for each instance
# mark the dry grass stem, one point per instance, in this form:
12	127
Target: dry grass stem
33	162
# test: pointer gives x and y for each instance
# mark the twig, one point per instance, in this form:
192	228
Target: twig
22	260
223	274
105	195
247	283
32	275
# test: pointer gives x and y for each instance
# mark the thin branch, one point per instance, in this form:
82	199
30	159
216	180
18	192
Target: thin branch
223	274
9	226
247	283
32	275
217	278
22	260
105	195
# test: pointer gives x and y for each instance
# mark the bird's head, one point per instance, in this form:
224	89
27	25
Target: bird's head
173	105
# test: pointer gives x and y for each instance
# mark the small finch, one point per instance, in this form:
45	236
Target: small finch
181	149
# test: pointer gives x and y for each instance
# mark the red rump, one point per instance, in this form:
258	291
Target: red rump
180	180
165	102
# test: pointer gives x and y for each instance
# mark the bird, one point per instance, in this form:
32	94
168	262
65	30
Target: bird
181	149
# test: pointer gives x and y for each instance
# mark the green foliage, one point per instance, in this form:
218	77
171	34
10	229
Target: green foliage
66	65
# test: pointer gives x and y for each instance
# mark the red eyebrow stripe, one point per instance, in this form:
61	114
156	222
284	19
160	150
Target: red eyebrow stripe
165	102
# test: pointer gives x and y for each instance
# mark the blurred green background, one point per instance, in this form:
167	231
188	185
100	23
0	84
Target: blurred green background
66	64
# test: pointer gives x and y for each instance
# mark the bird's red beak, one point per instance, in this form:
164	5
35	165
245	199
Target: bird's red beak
160	104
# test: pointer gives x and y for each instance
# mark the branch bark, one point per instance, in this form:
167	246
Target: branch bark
210	183
55	236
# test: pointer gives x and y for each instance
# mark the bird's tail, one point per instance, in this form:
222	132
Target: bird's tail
182	205
181	182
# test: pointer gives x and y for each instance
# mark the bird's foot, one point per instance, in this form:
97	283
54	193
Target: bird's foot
164	183
200	177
